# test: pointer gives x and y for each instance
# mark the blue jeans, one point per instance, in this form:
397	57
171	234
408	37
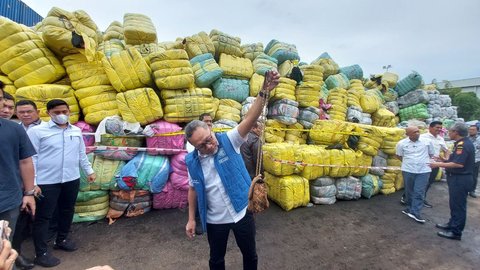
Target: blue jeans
415	186
244	231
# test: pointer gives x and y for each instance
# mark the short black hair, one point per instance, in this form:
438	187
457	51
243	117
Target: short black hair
7	96
2	85
24	102
434	123
475	126
203	116
56	102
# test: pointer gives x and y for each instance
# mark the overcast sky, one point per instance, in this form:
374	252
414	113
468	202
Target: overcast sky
438	38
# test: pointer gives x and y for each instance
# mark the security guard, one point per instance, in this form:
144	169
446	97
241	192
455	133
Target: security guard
459	167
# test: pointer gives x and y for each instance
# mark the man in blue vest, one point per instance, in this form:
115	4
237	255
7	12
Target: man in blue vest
219	183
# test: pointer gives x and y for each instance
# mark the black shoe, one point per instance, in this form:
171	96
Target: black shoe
47	260
67	245
445	226
427	205
23	263
449	235
472	194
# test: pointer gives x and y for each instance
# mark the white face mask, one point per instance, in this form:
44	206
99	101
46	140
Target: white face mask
60	119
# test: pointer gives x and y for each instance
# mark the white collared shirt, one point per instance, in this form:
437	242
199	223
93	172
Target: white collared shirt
60	153
438	143
219	207
415	155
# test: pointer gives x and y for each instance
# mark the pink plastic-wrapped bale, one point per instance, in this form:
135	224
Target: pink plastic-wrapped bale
179	175
87	128
170	197
170	143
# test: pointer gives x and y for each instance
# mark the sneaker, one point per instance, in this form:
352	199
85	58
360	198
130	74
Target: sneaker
67	245
405	211
417	218
47	260
427	205
402	200
473	194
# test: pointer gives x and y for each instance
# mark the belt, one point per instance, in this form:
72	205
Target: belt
457	174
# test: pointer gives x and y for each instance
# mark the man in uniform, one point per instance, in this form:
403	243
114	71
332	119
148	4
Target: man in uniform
475	139
459	168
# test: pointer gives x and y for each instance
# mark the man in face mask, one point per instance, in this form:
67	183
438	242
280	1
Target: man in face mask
61	154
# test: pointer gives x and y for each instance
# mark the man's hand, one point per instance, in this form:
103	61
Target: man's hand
28	204
434	165
92	177
272	78
37	191
190	229
7	256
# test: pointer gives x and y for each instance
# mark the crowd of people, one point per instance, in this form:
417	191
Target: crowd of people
41	161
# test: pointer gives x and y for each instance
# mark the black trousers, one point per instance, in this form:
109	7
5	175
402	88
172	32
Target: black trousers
22	230
62	195
458	188
244	231
475	175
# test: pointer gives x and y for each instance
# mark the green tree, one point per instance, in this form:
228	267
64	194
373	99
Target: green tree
468	106
452	92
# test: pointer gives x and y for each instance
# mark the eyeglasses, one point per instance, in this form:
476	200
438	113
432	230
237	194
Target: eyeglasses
208	141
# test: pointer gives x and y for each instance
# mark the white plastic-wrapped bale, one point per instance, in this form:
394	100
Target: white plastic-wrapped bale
307	116
412	98
354	114
138	29
247	104
348	188
377	164
284	110
252	51
323	191
224	124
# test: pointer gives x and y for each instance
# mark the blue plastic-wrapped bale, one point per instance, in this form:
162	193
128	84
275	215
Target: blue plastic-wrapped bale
145	172
409	83
352	72
264	63
206	69
235	89
282	51
339	80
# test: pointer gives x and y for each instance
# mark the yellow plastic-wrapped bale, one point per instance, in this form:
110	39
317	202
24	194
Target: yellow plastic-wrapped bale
284	90
355	91
236	67
127	70
295	134
228	109
9	86
24	58
308	94
256	83
172	69
97	102
399	184
328	132
110	47
390	78
342	162
172	45
288	192
146	50
388	180
330	67
392	137
84	73
61	27
139	105
186	105
285	69
363	161
138	29
370	140
383	117
338	97
312	73
114	31
312	157
274	131
370	102
275	156
43	93
198	44
225	43
251	51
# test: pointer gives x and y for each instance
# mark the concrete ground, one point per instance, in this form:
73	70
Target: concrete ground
364	234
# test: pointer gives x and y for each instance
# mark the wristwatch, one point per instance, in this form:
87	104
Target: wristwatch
29	193
262	94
